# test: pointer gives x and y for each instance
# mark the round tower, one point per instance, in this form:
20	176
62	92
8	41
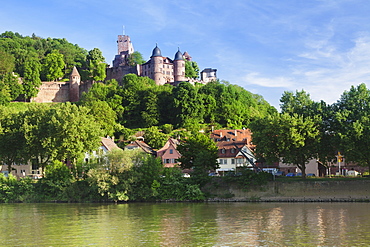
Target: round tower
156	61
179	67
74	85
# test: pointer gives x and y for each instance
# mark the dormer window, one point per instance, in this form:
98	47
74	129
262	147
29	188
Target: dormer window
223	151
171	151
233	150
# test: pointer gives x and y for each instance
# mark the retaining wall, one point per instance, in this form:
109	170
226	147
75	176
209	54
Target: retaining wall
351	190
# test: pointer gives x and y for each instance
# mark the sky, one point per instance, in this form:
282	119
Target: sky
265	46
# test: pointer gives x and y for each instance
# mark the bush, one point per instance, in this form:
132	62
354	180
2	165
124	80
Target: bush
246	178
13	190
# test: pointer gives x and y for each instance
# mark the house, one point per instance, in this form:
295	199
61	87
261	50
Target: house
234	154
107	145
140	145
169	154
22	170
235	149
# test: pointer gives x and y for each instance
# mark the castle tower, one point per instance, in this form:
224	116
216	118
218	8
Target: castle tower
157	65
179	67
125	48
74	85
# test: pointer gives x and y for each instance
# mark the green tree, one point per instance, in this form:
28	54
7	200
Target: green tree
135	58
32	81
12	141
353	124
104	116
199	153
187	103
155	138
293	138
75	131
12	82
191	69
6	63
96	65
53	66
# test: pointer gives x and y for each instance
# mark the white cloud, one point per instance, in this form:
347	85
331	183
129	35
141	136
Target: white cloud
255	78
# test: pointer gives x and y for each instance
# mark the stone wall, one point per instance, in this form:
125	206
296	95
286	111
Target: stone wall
119	72
53	92
310	190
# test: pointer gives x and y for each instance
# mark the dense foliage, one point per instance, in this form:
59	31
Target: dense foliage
140	103
36	59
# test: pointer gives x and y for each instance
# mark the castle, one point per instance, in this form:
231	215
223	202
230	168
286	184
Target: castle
163	70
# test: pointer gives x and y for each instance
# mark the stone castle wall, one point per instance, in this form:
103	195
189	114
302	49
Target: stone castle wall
53	92
118	73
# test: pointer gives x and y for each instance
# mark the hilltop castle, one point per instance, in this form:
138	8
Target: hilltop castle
163	70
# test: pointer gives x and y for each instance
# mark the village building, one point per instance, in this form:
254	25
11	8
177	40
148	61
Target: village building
169	154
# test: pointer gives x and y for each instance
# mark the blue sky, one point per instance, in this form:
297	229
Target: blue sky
265	46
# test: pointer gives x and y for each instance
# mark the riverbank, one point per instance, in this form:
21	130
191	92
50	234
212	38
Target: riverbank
296	191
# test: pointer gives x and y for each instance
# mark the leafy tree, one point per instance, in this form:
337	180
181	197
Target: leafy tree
104	116
199	153
135	58
96	65
12	83
353	124
292	138
75	131
53	66
32	81
12	141
6	63
41	149
191	69
154	138
187	103
5	94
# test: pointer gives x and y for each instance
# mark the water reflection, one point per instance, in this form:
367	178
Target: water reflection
186	224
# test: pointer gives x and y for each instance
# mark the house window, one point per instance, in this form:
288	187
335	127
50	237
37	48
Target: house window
171	151
233	161
221	161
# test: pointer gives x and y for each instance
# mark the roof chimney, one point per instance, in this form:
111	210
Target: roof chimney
221	133
236	132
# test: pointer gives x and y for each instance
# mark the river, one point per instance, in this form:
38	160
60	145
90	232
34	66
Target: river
186	224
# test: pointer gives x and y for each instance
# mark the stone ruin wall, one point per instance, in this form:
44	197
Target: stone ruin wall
119	72
53	92
59	92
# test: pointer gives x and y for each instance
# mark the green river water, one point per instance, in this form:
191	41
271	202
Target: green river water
186	224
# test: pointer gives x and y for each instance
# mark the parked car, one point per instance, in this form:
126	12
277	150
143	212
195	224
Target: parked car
213	174
311	175
290	174
299	174
280	173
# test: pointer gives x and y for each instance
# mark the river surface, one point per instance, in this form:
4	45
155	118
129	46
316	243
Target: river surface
186	224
